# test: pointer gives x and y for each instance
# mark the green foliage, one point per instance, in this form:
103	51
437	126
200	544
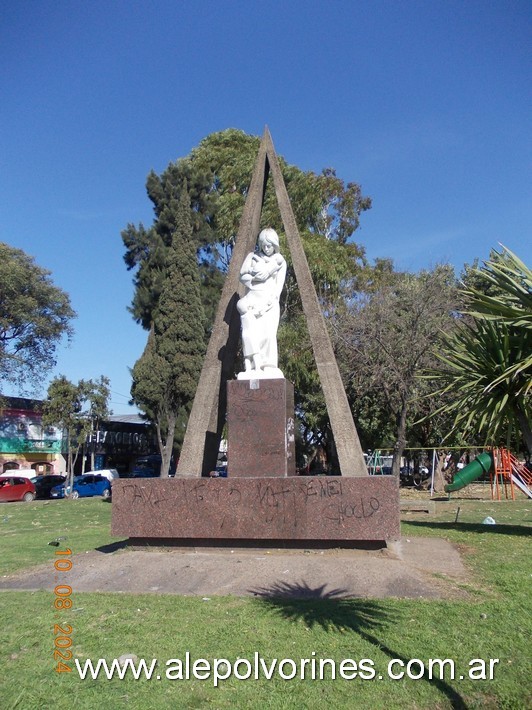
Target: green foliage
486	363
165	377
511	281
146	249
97	397
477	371
218	173
76	408
63	406
34	315
300	368
68	404
151	375
511	308
178	318
385	336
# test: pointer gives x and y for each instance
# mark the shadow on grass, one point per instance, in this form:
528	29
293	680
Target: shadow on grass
474	527
333	611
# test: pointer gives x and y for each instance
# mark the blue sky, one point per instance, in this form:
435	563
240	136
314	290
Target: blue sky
426	104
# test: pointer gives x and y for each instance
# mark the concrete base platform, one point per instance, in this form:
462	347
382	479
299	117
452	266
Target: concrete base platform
418	567
281	509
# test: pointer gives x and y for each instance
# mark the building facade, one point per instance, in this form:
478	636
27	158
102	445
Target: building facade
118	442
25	443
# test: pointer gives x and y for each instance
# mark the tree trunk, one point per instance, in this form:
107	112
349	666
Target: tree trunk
439	480
70	465
400	443
84	459
166	447
70	468
94	430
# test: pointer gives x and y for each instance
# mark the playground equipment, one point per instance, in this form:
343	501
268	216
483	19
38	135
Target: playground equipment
377	463
509	472
482	464
409	475
505	472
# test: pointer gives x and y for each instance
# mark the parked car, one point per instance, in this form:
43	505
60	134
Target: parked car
147	466
20	472
14	488
83	487
44	484
150	467
144	473
109	473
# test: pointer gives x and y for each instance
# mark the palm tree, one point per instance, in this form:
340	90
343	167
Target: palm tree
512	279
487	361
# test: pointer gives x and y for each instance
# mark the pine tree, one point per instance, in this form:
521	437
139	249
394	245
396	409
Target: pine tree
165	377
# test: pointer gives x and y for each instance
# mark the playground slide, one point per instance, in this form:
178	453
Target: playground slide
521	485
471	472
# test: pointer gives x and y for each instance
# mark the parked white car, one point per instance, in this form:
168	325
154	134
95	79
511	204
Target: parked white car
20	472
109	473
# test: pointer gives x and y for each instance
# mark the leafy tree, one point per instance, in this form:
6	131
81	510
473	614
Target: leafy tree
75	408
98	394
165	377
34	315
504	292
217	173
299	367
385	337
486	363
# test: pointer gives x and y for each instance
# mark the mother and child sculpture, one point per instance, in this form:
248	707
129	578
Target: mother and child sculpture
263	273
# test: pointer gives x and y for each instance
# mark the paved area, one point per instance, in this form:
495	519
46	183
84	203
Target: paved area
413	568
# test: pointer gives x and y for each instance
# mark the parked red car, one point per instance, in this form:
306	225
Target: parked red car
16	488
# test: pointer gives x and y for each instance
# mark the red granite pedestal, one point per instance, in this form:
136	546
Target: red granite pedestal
262	501
260	426
295	510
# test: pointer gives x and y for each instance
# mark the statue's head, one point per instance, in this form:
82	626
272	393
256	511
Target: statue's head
269	236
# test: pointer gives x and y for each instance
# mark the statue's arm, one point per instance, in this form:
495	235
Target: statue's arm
246	266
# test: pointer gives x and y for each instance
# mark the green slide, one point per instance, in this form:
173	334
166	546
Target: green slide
471	472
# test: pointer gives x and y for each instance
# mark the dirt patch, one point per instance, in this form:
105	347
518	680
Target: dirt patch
412	568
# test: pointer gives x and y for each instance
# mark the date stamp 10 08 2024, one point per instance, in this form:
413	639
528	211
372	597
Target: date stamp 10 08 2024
62	601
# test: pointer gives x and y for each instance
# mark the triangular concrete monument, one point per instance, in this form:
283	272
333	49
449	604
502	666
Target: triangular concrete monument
207	418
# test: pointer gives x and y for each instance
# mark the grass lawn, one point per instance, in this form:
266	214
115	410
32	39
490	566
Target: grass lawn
493	623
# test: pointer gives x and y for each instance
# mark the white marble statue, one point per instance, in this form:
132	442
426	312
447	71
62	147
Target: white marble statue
263	273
